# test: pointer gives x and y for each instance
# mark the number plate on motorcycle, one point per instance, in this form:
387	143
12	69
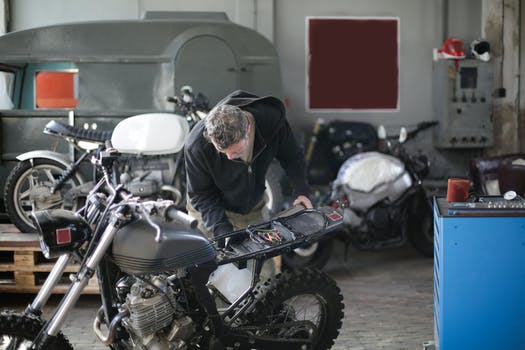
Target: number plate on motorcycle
63	235
334	216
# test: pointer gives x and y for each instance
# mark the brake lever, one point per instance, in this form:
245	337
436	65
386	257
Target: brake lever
159	237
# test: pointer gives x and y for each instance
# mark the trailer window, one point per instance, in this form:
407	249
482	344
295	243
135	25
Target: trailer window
7	80
56	89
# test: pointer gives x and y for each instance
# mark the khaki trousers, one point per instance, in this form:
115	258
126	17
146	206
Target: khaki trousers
240	221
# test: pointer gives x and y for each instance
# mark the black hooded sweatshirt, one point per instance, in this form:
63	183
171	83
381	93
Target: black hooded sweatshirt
216	184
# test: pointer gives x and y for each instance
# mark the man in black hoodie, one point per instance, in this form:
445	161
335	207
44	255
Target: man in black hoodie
227	156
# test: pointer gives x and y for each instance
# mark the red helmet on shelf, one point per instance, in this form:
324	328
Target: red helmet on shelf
452	48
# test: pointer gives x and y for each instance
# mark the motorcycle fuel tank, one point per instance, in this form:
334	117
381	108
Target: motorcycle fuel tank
151	134
370	177
136	252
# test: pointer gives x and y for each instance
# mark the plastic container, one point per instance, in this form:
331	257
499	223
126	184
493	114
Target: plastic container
231	281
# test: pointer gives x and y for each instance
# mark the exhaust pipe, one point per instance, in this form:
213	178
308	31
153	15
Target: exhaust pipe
112	329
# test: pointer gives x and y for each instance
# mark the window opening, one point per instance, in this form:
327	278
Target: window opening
56	89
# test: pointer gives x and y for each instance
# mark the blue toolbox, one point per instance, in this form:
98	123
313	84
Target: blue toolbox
479	274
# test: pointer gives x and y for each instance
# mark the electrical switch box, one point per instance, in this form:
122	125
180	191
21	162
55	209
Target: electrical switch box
462	103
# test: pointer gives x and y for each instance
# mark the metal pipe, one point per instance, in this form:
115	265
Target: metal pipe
71	297
67	303
112	328
445	20
51	281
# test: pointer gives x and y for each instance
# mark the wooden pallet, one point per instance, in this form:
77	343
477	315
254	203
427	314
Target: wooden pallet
23	267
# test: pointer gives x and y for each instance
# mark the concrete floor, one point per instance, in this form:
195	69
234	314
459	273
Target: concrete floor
388	301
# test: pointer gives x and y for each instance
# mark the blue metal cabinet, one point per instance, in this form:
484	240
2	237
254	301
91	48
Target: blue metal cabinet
479	280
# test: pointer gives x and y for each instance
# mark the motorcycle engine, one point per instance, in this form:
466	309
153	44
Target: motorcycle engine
145	176
383	220
156	320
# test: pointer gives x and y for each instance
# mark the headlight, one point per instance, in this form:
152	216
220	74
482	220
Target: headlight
60	231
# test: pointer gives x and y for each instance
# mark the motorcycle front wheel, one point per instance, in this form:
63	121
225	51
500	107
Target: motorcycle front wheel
300	295
28	188
17	331
421	227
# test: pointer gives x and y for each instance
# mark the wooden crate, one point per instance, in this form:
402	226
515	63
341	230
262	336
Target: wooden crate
23	267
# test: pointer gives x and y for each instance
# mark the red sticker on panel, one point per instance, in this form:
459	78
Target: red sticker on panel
335	216
63	235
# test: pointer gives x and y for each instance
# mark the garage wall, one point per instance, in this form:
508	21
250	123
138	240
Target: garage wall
283	22
420	28
423	26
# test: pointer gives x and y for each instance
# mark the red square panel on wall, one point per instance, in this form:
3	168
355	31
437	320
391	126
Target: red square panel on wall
352	63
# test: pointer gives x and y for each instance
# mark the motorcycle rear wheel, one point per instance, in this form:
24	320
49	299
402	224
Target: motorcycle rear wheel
314	256
301	295
273	195
17	331
28	188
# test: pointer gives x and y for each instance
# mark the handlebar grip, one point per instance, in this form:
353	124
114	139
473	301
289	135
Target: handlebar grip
176	215
172	99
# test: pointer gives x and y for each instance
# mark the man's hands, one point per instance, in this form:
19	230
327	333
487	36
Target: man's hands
304	201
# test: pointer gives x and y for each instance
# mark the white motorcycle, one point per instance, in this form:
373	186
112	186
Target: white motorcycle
49	180
385	204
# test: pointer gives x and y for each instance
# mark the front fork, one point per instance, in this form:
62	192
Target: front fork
51	281
80	280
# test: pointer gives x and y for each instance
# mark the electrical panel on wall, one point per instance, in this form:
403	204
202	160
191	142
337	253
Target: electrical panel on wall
462	98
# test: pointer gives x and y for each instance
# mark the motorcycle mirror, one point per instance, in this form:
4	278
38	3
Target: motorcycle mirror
402	135
381	132
186	89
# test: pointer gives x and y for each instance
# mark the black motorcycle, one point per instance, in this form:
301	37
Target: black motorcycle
163	285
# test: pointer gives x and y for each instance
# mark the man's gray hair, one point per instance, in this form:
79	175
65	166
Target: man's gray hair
225	125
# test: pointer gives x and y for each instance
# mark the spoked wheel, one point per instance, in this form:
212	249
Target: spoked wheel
28	188
300	304
17	332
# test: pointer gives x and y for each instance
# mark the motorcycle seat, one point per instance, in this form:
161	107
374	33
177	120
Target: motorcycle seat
64	130
485	172
511	177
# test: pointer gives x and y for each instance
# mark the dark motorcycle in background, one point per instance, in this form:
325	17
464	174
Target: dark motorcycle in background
382	197
164	286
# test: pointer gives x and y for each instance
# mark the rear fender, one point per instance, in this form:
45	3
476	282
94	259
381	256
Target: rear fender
55	156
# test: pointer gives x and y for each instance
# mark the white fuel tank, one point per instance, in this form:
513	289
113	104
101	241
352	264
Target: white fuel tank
370	177
151	134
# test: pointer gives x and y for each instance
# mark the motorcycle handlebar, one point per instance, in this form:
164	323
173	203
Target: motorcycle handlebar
420	127
173	99
176	215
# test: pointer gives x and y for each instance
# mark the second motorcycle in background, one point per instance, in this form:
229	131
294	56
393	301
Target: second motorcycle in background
385	203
